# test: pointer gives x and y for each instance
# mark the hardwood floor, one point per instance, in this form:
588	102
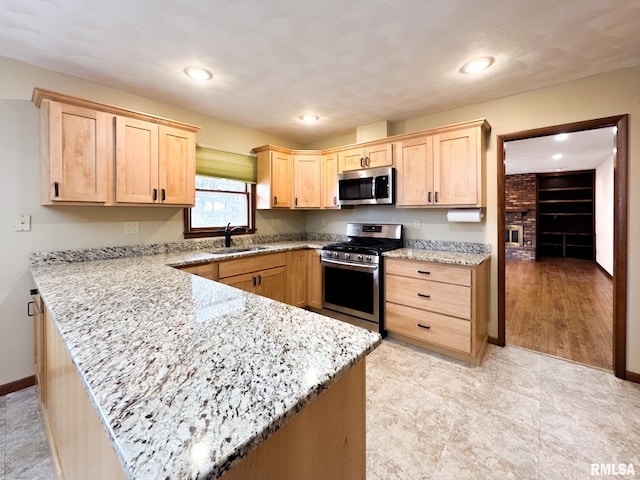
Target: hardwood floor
562	307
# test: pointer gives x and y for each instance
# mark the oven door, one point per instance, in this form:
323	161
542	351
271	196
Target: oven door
352	288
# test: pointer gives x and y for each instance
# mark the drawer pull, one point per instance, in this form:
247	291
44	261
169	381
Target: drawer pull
426	327
424	295
424	272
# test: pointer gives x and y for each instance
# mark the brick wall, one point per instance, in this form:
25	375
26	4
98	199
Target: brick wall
520	193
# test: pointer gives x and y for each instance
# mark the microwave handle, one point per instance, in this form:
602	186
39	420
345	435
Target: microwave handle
373	187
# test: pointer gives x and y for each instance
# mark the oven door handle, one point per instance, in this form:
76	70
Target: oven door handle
349	264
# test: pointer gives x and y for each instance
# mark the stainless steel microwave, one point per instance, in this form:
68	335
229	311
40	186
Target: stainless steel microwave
371	186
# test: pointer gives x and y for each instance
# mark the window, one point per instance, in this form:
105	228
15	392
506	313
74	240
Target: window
220	201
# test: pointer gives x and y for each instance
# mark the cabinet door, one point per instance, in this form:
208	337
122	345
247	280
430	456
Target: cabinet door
281	180
307	185
352	159
136	161
39	353
297	265
246	282
455	168
378	155
271	283
414	169
330	181
177	166
314	282
78	140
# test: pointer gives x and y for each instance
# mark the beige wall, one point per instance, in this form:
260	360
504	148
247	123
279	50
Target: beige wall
595	97
62	228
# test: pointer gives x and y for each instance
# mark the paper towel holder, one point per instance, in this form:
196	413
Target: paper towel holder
465	215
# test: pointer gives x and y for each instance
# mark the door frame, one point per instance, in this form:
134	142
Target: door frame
620	183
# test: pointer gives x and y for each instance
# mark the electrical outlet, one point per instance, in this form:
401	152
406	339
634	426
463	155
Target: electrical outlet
23	223
131	227
323	221
416	224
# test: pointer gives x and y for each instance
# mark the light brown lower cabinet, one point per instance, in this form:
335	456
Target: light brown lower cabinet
294	277
314	282
324	440
265	275
439	307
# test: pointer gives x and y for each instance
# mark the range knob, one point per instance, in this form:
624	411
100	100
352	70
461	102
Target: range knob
360	257
367	258
335	254
347	255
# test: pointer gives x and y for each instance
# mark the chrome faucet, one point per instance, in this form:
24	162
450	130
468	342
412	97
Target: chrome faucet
227	233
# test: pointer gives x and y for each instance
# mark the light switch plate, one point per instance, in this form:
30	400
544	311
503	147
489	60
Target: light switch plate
416	224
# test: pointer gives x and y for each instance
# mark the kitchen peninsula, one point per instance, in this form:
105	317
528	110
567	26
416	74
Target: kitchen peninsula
190	378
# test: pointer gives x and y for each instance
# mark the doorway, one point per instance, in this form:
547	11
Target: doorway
620	226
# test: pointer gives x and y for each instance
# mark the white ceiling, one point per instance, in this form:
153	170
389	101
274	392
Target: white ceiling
350	62
580	151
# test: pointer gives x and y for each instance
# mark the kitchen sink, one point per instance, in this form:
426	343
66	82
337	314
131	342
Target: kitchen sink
226	251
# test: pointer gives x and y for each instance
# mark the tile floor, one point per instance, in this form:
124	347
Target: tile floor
24	451
521	415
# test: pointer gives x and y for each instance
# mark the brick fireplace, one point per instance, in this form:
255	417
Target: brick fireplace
520	215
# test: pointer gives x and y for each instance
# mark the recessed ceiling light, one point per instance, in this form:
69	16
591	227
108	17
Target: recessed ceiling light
477	65
309	118
557	156
198	73
561	137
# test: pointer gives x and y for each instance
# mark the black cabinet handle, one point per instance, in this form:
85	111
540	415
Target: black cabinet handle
259	280
56	189
362	162
429	197
436	197
30	312
366	161
335	201
424	272
154	195
426	327
296	201
253	281
275	200
424	295
163	194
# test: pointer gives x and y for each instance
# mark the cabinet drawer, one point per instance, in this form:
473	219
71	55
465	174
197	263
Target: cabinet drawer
438	297
204	270
253	263
429	271
442	330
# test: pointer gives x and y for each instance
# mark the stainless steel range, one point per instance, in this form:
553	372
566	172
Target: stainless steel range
353	271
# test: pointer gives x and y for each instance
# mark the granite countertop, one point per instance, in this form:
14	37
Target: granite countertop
439	256
188	375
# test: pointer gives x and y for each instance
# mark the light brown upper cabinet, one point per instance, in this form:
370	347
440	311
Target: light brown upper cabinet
443	169
330	181
307	183
75	154
275	175
368	156
154	163
96	154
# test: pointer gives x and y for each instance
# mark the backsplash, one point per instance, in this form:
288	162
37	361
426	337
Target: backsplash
446	246
106	253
